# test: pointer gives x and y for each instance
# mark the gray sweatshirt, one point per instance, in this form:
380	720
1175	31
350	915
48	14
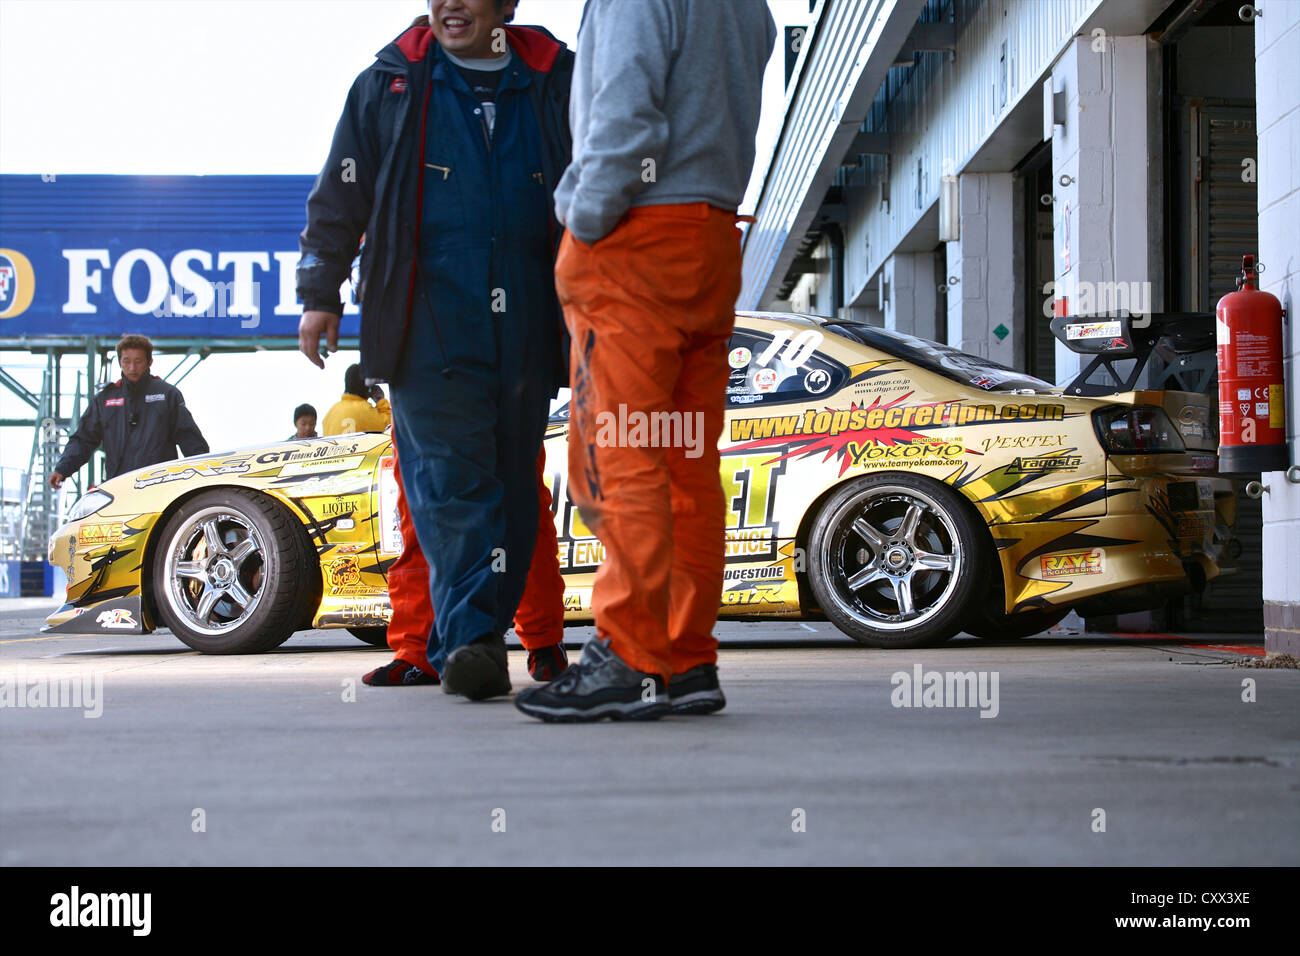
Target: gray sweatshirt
664	107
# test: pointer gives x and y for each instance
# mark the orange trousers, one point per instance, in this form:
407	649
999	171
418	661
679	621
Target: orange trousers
539	619
650	308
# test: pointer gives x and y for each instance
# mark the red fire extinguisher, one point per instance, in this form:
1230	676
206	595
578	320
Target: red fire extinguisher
1252	424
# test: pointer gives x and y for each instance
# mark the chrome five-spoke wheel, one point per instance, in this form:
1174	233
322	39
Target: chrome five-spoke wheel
232	573
894	560
214	570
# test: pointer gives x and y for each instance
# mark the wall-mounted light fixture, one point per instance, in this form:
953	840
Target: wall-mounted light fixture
949	209
1054	108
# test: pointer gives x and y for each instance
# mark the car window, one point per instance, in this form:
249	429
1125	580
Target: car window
780	367
941	359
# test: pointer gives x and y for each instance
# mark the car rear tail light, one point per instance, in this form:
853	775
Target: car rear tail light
1136	430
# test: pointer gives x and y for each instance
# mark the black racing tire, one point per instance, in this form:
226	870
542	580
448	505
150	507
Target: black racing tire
377	636
228	571
313	587
989	622
896	559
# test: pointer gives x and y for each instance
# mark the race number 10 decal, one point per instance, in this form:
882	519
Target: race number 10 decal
798	350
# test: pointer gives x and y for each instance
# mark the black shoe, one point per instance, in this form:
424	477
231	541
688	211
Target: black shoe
547	663
696	691
399	674
600	685
478	670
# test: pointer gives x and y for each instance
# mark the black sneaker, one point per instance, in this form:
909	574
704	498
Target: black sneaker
696	691
478	670
547	663
600	685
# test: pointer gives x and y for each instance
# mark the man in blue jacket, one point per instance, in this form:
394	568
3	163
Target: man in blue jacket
445	159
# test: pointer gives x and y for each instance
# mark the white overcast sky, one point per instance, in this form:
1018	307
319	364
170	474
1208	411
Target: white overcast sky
217	87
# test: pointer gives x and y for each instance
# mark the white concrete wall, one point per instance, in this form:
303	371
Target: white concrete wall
984	296
945	114
913	289
1277	111
812	293
863	313
1107	200
803	297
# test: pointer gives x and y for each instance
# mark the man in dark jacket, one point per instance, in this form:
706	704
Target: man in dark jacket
445	158
139	419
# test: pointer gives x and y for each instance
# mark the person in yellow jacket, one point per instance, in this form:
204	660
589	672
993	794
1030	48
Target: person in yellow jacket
354	411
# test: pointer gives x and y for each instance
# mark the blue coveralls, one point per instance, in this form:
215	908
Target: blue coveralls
471	396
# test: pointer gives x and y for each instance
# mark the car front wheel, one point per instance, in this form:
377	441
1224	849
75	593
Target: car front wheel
226	572
895	559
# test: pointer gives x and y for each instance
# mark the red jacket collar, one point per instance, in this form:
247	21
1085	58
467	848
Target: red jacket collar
535	48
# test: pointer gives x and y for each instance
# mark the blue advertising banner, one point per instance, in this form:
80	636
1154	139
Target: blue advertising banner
11	577
164	256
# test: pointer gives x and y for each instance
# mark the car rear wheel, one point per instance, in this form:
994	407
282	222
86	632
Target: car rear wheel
227	573
378	636
894	560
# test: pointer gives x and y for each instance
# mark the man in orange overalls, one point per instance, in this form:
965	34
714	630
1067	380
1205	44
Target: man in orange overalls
663	110
539	621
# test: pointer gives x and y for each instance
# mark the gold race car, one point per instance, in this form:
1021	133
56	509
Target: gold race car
904	489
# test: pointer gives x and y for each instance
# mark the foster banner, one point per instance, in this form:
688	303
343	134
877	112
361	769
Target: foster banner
209	257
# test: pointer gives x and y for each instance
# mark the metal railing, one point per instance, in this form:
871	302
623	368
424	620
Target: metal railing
13	495
43	507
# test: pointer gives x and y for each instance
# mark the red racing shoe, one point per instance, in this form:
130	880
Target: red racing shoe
399	674
547	663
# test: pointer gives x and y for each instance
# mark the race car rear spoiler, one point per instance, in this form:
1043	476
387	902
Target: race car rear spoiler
1114	338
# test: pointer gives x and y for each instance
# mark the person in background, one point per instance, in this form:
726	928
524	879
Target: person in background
664	109
354	411
139	419
304	421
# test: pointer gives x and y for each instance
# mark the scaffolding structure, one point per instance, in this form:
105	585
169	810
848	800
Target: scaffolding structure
30	510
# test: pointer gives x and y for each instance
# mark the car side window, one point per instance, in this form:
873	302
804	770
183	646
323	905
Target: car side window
771	369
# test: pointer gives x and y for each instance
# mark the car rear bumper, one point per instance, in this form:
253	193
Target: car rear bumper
1112	564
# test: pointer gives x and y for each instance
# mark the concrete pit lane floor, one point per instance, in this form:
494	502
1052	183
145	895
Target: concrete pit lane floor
287	758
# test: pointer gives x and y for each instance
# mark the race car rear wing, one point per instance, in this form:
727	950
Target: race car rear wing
1115	338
